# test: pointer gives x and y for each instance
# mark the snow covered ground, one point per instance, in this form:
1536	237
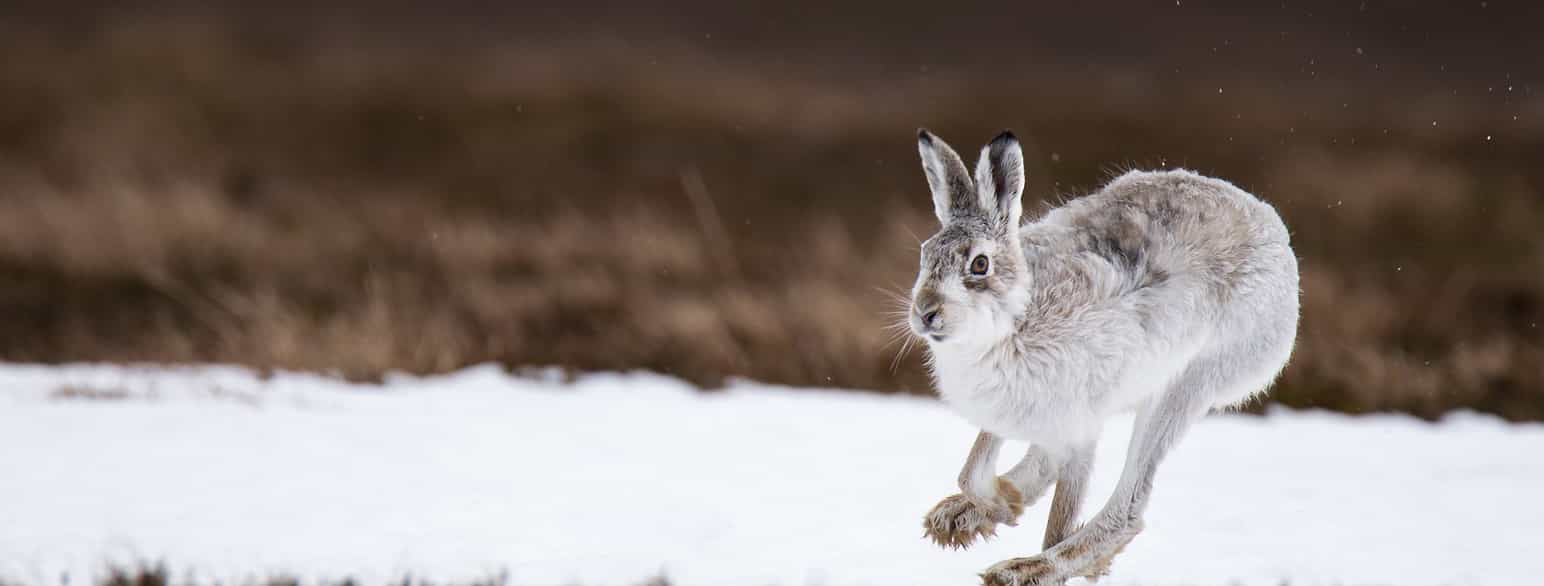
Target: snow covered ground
616	478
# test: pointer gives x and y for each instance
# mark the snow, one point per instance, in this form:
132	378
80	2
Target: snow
612	479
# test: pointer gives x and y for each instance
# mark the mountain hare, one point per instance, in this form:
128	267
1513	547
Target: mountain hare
1164	293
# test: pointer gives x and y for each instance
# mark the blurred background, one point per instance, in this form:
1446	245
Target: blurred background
715	190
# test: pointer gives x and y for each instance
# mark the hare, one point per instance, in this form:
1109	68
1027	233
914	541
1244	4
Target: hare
1165	293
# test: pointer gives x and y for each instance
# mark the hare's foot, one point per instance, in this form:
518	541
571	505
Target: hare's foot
959	519
1087	557
1031	571
1101	564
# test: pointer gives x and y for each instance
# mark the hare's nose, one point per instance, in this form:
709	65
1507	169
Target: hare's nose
930	319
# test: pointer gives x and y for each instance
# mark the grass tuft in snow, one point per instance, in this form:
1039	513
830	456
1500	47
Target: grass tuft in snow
157	574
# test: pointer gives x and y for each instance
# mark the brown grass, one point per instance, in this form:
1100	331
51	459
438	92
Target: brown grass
170	193
157	574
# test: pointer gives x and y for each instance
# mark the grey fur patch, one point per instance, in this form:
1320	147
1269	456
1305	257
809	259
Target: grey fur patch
1165	213
1118	233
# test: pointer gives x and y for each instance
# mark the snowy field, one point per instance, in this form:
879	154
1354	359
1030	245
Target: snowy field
617	478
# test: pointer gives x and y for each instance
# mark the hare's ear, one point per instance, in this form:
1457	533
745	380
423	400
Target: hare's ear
1000	178
946	176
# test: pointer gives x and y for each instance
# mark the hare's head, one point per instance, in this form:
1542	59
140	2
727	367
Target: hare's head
970	281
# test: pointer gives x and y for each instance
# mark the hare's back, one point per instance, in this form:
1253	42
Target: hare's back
1177	229
1194	208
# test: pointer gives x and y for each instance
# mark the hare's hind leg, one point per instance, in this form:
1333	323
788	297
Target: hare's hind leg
987	499
1089	551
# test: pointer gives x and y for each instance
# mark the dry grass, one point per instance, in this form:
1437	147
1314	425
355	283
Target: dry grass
157	574
148	574
168	193
89	393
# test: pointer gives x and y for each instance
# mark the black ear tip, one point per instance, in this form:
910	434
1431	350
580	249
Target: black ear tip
924	136
1006	137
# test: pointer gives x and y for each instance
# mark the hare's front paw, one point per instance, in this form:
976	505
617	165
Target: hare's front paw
959	519
1032	571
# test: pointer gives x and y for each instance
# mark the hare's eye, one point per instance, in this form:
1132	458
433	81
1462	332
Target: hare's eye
979	265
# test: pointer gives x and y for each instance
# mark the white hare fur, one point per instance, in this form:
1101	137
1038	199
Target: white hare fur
1164	293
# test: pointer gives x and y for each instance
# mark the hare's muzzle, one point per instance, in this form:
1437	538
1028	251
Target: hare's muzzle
927	318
